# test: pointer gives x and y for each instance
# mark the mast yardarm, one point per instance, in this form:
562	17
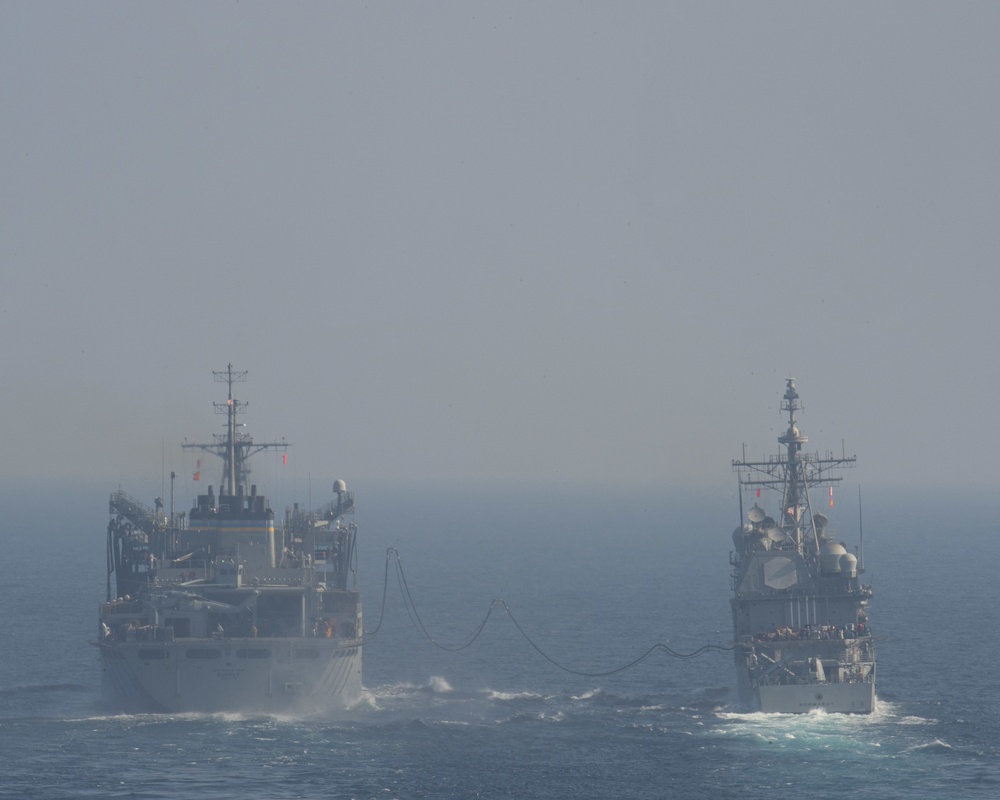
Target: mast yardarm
234	447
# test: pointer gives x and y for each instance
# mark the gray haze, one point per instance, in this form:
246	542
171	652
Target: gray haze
498	241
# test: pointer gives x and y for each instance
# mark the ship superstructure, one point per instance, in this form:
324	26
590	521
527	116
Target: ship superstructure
222	608
800	609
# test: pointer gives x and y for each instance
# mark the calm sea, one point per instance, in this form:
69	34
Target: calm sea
594	576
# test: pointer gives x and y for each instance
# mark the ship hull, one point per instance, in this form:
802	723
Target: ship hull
833	698
800	611
844	698
278	675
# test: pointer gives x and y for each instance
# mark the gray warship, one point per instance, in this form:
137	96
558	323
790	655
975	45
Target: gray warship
220	609
800	610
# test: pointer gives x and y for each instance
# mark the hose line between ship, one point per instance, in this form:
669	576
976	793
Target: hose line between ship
392	555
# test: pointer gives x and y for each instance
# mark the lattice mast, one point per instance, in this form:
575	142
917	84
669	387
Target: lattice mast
794	473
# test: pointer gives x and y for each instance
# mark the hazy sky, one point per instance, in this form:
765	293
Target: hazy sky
567	241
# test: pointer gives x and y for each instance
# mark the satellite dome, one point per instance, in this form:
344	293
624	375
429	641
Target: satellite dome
849	565
829	557
339	487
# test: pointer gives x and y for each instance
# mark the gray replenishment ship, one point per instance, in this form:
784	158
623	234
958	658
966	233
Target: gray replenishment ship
223	610
800	614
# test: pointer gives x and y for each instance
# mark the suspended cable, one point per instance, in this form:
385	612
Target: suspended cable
659	646
385	589
418	624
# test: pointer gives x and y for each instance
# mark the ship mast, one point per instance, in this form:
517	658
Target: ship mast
795	493
793	473
234	447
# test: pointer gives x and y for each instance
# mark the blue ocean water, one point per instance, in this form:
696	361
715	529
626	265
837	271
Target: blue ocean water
594	576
